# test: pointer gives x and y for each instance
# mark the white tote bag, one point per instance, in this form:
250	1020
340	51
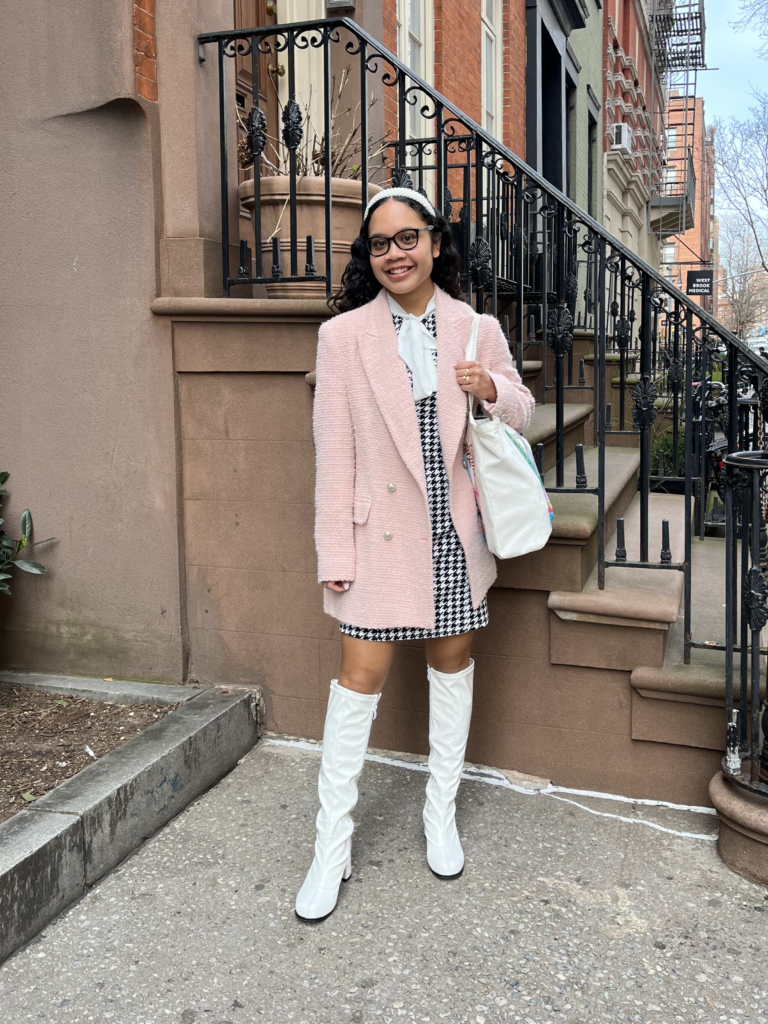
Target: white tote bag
516	512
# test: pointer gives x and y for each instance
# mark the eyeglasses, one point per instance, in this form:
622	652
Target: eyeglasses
406	239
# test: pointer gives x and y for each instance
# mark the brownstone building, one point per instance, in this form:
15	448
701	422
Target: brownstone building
163	434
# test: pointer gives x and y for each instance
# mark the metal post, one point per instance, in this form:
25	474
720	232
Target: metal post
688	480
645	428
328	168
224	173
599	384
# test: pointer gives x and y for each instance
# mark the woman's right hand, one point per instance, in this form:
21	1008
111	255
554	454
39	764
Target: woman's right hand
338	585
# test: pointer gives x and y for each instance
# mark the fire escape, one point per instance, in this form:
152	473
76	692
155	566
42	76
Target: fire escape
677	32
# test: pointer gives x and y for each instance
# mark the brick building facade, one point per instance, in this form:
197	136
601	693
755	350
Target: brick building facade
633	126
689	140
466	51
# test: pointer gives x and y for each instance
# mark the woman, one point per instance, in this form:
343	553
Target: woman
400	544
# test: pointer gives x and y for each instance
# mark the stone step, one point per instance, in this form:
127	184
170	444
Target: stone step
684	704
569	557
541	429
626	624
532	377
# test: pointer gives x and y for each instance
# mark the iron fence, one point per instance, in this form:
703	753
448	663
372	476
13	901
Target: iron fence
550	273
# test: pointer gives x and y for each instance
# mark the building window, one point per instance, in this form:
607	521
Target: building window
591	165
492	48
415	19
671	137
668	253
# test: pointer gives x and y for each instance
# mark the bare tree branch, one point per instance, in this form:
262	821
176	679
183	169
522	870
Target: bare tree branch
741	157
754	18
743	296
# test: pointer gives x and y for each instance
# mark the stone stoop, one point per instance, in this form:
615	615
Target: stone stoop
676	718
626	624
685	704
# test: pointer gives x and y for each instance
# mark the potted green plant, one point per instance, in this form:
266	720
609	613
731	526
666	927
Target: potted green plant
10	548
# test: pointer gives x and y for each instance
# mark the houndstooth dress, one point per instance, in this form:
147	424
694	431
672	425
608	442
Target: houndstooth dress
453	601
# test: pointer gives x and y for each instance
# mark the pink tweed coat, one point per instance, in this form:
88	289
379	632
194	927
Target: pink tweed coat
372	523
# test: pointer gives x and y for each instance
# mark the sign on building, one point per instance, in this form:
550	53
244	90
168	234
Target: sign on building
699	282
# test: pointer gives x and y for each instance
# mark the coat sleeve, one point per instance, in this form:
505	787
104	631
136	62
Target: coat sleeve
514	402
335	460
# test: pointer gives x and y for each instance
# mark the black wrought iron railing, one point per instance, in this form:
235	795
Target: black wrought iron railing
660	372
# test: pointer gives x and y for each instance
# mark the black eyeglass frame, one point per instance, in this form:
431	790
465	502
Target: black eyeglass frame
393	238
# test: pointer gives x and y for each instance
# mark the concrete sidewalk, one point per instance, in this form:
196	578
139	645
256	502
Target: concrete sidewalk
561	914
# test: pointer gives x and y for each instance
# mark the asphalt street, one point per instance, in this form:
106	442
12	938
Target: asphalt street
571	908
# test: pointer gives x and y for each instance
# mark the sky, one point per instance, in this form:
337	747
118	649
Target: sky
727	91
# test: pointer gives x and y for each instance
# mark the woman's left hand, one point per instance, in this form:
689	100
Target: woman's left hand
474	379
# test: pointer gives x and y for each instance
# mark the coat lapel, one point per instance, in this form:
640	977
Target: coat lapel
389	382
454	319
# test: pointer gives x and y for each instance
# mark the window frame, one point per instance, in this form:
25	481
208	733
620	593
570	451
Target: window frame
495	32
427	42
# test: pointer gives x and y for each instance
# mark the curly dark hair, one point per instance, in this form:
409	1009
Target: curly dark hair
358	284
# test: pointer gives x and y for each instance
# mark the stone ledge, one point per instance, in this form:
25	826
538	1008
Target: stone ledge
121	691
250	309
41	873
694	683
73	835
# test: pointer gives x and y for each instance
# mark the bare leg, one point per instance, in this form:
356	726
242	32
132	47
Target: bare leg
365	664
449	653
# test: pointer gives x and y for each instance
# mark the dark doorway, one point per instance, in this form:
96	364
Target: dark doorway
570	137
591	158
552	111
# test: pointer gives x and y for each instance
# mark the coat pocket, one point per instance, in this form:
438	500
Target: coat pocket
362	508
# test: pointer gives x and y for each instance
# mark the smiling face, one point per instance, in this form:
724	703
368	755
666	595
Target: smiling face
403	272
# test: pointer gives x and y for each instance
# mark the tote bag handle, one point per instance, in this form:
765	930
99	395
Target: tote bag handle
470	355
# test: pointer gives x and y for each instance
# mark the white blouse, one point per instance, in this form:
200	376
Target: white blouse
415	346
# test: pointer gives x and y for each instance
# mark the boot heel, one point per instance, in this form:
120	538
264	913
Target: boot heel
347	871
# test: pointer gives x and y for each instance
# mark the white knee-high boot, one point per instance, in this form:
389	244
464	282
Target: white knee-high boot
450	711
345	740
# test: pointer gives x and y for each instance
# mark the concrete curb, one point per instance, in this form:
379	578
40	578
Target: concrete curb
121	691
76	833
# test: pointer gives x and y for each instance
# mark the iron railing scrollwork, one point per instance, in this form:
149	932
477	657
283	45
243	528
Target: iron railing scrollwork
659	372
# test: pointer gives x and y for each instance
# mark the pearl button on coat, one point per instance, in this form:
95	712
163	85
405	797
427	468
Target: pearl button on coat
367	440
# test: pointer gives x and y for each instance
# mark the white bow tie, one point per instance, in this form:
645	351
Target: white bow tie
415	346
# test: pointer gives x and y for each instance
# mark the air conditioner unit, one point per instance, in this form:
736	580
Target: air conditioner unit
622	138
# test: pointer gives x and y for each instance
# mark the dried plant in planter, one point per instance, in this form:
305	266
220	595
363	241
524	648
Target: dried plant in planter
345	133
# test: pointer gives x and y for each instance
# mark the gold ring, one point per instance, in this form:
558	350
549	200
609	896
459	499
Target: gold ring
466	376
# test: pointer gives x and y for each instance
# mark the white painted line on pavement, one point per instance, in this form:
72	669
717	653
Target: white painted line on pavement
491	777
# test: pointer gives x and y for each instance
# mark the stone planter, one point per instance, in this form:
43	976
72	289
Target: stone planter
310	220
743	839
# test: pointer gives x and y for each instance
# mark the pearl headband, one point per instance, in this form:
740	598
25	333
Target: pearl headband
400	193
